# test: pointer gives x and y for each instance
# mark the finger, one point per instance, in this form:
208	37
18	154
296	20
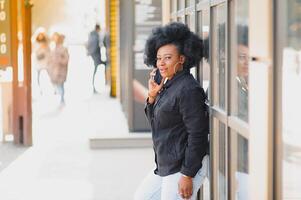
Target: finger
153	73
188	192
187	195
154	70
152	76
181	193
153	83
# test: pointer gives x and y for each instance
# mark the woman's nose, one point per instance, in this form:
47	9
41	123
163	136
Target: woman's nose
161	62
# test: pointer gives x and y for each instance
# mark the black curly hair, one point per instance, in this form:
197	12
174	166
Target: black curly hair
178	34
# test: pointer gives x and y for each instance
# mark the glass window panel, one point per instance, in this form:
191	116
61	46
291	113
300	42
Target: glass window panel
219	158
240	159
181	19
291	98
205	61
219	55
173	19
240	61
205	188
187	3
181	4
187	20
173	5
222	169
199	22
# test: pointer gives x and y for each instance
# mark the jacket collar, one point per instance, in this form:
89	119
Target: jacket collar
176	77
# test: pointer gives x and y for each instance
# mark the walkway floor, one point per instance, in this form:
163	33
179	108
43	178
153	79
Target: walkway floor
60	165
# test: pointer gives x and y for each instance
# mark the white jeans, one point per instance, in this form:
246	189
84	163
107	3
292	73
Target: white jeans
155	187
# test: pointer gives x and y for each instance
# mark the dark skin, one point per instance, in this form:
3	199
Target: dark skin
169	61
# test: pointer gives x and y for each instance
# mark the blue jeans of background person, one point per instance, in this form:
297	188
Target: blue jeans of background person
155	187
97	61
61	90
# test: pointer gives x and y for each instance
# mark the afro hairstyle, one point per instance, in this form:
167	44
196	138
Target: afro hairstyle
178	34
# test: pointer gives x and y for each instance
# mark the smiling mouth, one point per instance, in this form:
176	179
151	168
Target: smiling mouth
162	70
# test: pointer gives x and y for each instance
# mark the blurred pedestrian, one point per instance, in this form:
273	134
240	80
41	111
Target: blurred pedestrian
58	65
177	113
42	53
106	44
94	44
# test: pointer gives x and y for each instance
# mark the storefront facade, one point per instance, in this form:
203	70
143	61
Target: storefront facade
251	71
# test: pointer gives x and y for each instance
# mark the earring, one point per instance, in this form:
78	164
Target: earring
179	69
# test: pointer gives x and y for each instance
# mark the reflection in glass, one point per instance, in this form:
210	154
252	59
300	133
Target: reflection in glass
181	19
222	175
187	20
187	3
242	169
222	63
294	23
291	98
181	4
219	54
173	5
203	29
240	62
242	72
242	150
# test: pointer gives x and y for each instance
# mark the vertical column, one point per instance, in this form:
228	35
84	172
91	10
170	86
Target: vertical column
166	11
26	89
22	122
114	5
260	99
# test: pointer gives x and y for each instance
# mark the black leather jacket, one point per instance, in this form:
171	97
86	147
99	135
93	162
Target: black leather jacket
179	126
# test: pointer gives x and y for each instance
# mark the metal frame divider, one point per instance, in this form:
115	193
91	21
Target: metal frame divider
278	41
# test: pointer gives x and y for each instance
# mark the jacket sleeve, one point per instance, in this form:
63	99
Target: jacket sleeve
192	108
148	109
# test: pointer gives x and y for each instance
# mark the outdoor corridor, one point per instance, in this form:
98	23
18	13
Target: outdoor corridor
60	165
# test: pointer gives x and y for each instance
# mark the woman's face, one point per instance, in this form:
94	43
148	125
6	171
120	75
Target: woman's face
243	60
169	61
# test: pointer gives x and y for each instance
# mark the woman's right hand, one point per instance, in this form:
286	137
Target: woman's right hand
153	87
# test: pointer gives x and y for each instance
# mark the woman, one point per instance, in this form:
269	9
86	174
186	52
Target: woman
58	66
42	53
177	113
